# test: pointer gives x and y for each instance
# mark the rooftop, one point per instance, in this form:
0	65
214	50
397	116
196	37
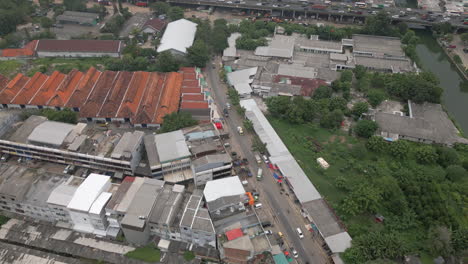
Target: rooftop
195	216
316	43
78	17
79	45
231	50
167	204
225	187
142	204
280	46
378	45
50	133
211	161
171	146
88	192
63	193
139	97
179	35
155	23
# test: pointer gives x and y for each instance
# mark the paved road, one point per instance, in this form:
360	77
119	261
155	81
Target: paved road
286	214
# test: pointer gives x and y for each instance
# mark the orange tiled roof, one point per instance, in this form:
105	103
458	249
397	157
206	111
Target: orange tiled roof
150	102
30	89
190	83
66	88
3	82
48	89
194	105
27	50
96	98
193	97
191	90
129	106
114	98
12	88
171	96
84	88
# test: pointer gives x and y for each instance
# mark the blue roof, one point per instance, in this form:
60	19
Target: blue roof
280	259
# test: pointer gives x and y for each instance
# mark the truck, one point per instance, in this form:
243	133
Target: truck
258	159
319	7
240	130
260	174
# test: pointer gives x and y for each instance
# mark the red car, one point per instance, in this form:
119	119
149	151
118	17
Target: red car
143	4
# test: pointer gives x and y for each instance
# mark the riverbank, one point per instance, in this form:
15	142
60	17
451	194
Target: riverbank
451	57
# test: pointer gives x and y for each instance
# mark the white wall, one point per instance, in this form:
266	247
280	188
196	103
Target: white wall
43	54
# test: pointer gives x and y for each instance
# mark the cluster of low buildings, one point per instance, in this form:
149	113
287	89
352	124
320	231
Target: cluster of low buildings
297	65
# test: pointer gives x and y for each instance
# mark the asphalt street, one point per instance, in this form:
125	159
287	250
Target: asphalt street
285	213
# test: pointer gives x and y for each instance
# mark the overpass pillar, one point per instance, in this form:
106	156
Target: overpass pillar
282	12
341	18
329	16
294	13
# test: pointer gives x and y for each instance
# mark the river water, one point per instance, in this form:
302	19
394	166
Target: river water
433	59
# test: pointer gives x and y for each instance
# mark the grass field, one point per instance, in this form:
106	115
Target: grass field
148	253
9	68
64	65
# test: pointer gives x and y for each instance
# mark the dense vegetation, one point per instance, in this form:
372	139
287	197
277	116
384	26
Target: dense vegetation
177	120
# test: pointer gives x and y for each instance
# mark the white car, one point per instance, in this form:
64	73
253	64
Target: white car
268	232
341	11
395	16
295	255
229	2
259	4
413	18
275	5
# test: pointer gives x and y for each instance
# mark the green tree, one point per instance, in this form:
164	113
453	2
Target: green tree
447	156
375	97
160	8
457	59
460	241
258	145
439	241
198	54
347	76
166	62
359	108
426	155
46	22
332	119
365	128
376	144
456	173
379	24
65	116
359	71
278	105
399	149
189	256
408	36
75	5
375	245
44	3
337	102
248	125
176	121
323	92
175	13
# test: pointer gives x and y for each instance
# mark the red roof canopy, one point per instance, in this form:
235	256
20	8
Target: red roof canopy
234	233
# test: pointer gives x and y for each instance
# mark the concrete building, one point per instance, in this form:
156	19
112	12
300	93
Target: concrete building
25	192
87	205
118	206
241	81
79	48
210	167
169	156
61	196
135	225
179	36
427	123
80	18
78	145
231	50
224	196
163	220
195	225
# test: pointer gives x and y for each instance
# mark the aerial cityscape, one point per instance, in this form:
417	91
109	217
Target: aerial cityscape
234	131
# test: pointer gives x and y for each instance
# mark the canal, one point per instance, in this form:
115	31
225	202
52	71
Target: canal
455	97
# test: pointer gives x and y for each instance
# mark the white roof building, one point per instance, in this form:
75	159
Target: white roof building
242	79
88	192
224	187
339	243
179	36
50	133
100	203
171	146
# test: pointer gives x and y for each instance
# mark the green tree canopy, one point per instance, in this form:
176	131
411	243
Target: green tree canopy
360	108
456	173
365	128
66	115
198	54
332	119
426	155
323	92
75	5
160	8
175	13
375	97
177	120
166	62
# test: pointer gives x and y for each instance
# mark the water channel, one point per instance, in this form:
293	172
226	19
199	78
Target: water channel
455	97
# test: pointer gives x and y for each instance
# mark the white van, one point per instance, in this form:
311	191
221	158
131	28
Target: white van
258	159
299	232
259	174
257	205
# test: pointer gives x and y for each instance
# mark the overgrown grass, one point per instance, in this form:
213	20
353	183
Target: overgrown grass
3	220
189	255
148	253
9	68
65	65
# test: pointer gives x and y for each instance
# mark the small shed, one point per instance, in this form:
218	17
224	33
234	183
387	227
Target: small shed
163	245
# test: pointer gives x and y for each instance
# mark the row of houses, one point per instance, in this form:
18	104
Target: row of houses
217	216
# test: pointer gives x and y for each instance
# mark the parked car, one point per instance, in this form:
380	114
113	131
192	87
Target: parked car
268	232
5	157
294	252
266	224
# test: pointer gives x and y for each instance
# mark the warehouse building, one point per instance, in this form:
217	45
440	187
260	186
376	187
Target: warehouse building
78	48
80	18
139	98
179	36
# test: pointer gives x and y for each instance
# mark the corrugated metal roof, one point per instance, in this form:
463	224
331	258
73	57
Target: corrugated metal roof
179	35
79	45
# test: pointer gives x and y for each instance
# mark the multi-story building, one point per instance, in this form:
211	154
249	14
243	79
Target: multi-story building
210	167
225	196
40	139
